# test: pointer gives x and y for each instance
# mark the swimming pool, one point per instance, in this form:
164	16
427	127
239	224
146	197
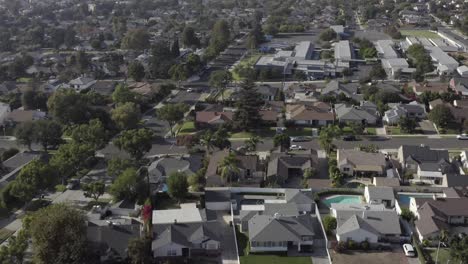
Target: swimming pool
342	199
404	198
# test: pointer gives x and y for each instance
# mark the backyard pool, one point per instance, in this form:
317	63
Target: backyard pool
404	198
342	199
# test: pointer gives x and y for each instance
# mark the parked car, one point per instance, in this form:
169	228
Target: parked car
409	250
296	147
190	90
462	137
348	138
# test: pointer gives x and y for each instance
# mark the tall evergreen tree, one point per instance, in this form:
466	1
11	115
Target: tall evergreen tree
175	49
247	115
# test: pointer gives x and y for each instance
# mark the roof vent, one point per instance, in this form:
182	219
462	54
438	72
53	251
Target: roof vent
276	215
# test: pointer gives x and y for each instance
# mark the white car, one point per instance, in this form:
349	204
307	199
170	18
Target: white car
462	136
189	90
295	147
409	250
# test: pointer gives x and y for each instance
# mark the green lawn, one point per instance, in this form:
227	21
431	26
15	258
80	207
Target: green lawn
295	132
393	130
246	62
187	128
419	33
444	255
273	259
371	131
242	134
246	258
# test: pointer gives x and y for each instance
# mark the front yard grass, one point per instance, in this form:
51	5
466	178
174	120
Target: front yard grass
274	259
242	134
247	62
187	128
246	258
419	33
393	130
371	131
444	255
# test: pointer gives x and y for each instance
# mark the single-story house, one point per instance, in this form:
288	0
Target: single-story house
210	118
315	114
351	162
354	114
380	195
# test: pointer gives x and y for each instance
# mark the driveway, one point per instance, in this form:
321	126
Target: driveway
228	240
427	127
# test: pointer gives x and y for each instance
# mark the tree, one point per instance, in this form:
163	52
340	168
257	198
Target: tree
24	133
126	185
356	128
137	39
441	115
197	181
139	250
282	140
122	94
189	38
300	76
69	107
459	248
255	37
70	158
252	143
136	142
371	148
58	235
93	133
220	79
220	37
207	140
34	177
94	189
221	138
377	72
179	72
247	115
136	71
116	166
82	61
32	100
175	49
229	167
48	133
327	35
309	173
270	29
177	185
126	116
14	251
407	125
329	223
326	136
407	214
172	113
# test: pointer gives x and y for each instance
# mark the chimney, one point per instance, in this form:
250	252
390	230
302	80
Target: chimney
434	197
364	214
276	215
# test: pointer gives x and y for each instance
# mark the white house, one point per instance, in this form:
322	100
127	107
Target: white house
380	195
463	71
81	83
4	111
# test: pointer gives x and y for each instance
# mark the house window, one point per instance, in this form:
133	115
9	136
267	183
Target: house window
346	169
172	252
306	238
247	173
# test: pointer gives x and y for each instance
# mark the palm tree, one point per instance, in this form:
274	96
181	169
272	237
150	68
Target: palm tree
229	167
252	142
207	140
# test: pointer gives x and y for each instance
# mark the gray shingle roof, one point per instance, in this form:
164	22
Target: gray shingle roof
379	222
184	234
381	192
269	228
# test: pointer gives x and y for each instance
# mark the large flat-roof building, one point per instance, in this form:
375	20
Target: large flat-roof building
343	51
385	49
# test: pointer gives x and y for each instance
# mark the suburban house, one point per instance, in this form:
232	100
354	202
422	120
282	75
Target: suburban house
380	195
283	166
354	114
426	164
250	170
279	233
213	118
267	92
185	232
161	168
460	85
81	83
397	111
366	222
435	87
20	115
439	213
335	88
314	114
109	237
355	162
459	109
